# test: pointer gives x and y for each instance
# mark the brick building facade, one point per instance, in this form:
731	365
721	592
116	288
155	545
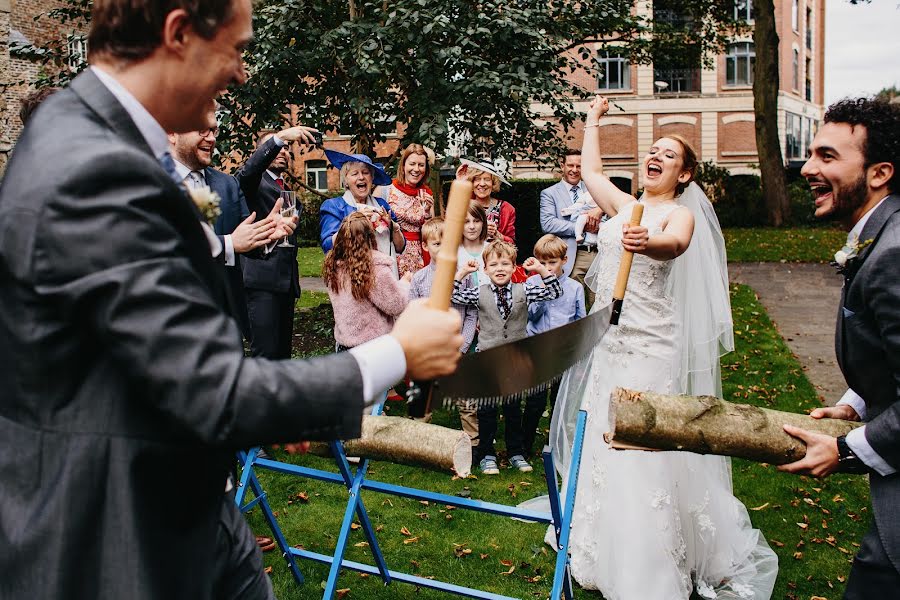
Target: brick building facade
712	108
26	22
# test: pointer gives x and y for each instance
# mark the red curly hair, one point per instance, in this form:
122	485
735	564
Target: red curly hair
351	257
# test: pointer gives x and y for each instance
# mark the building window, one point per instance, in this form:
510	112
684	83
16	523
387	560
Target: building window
623	183
793	128
317	174
809	28
77	51
739	64
795	73
795	15
809	79
614	71
743	10
807	136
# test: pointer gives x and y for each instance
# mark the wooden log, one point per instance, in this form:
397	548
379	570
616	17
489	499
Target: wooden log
409	442
710	425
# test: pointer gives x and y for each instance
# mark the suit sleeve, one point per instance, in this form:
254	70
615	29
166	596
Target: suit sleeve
550	223
143	301
883	431
250	175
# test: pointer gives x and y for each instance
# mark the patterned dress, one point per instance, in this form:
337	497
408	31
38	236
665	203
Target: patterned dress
412	206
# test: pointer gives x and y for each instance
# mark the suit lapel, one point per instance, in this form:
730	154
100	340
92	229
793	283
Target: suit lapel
872	230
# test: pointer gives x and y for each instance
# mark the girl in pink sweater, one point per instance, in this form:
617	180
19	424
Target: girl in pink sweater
365	294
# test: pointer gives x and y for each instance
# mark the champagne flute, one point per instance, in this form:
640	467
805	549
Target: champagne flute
288	211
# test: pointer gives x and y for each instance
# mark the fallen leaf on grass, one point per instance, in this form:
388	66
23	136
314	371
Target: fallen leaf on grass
363	575
506	563
303	497
355	526
361	544
268	569
777	543
510	572
534	579
460	552
405	531
484	556
802	525
798	555
342	592
379	528
760	507
411	540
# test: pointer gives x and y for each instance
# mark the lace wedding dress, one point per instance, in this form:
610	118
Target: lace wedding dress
654	525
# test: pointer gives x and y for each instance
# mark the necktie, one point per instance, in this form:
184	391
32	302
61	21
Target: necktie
279	182
168	163
574	193
503	303
195	180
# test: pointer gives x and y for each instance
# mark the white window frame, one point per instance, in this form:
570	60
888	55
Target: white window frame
607	58
76	46
739	52
319	170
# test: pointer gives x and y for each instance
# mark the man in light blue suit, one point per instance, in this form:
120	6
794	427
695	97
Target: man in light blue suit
558	197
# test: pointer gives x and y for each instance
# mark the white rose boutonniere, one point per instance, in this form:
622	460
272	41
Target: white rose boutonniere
207	202
844	257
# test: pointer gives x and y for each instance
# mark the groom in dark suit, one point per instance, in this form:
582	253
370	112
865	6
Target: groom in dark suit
126	389
854	172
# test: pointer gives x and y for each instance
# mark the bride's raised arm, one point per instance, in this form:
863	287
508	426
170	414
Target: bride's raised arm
604	192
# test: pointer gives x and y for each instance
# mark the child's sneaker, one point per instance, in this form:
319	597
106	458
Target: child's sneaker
518	462
488	466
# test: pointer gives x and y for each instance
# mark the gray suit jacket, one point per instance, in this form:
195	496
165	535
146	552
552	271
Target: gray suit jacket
126	390
554	199
868	351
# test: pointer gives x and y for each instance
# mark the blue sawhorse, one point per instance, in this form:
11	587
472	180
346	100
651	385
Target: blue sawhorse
560	516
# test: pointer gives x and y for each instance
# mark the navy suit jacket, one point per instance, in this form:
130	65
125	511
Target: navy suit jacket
234	210
278	272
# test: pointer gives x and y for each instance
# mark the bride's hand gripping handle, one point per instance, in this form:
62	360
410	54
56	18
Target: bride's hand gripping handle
624	269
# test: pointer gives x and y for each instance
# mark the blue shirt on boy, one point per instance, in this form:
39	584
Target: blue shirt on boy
544	316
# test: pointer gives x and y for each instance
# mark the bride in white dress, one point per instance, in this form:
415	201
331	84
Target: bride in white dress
657	525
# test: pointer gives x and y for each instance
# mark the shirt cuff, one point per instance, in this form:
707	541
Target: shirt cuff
278	141
857	442
856	403
382	364
229	251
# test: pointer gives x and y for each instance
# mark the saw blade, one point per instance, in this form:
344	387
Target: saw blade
523	367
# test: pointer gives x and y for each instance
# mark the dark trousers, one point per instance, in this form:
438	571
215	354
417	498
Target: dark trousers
873	574
272	323
520	426
239	565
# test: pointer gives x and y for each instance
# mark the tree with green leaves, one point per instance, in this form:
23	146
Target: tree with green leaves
497	74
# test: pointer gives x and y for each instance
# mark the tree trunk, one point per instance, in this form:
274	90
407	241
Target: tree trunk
710	425
765	105
404	441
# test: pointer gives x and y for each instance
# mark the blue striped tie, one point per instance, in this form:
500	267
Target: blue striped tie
168	163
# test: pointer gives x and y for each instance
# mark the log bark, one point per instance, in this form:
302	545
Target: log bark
710	425
404	441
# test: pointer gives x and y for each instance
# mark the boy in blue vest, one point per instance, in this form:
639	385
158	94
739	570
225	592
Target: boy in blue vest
503	318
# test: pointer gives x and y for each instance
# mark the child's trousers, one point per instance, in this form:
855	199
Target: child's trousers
520	426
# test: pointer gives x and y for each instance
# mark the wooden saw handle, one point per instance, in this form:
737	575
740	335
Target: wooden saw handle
624	269
418	397
454	219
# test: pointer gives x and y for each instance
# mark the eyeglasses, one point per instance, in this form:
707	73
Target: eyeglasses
213	131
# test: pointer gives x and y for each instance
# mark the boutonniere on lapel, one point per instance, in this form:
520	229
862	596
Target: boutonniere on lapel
846	256
207	202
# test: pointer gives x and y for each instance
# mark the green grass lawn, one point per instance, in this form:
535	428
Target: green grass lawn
767	244
757	244
812	525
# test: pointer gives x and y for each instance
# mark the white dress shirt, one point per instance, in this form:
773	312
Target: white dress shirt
193	179
856	439
381	361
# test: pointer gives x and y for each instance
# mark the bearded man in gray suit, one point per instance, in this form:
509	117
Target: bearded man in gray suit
125	381
854	172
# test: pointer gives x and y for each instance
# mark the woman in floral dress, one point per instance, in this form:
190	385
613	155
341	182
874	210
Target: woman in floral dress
413	204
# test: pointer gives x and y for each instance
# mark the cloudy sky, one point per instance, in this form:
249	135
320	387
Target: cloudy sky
862	47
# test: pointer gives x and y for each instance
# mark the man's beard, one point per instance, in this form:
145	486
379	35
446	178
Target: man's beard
846	200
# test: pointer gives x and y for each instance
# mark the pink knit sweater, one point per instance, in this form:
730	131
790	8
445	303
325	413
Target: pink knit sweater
358	321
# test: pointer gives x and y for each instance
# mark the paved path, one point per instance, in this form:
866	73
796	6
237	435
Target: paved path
802	300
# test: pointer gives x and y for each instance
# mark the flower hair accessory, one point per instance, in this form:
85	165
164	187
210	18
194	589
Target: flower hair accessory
207	202
845	257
